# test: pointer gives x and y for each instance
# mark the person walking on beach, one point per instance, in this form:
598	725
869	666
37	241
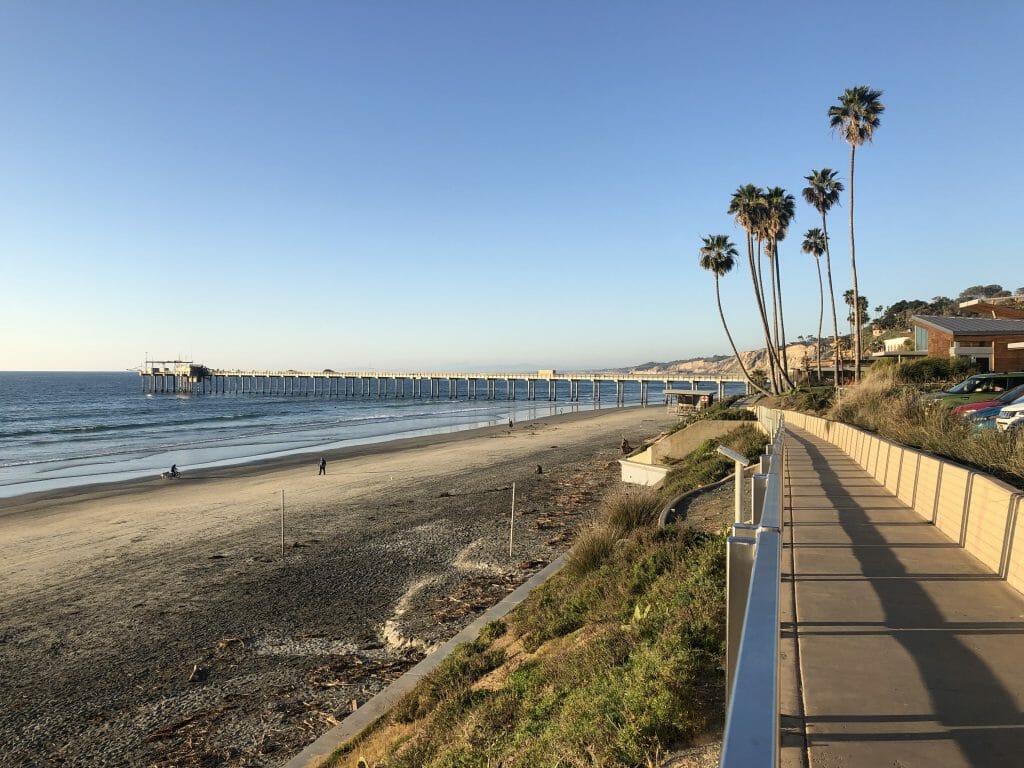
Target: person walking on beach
323	466
510	422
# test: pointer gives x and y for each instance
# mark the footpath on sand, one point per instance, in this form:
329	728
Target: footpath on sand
907	649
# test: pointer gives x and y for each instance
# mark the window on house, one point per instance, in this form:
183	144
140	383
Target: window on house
921	339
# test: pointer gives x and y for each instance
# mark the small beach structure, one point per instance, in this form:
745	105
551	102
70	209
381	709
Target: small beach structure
689	400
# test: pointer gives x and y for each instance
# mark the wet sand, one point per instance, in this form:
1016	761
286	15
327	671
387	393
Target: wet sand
154	622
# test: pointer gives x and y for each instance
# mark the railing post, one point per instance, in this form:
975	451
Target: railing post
739	562
758	489
782	484
740	462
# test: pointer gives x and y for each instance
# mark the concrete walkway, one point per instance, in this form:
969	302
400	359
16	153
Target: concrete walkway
907	652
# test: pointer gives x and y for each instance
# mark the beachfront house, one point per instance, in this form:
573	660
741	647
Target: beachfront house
985	341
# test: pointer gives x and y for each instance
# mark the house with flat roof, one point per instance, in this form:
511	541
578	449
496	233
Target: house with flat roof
986	341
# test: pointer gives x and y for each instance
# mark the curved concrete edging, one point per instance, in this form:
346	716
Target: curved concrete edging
378	706
663	517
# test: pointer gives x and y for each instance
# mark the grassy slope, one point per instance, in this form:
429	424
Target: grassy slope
609	663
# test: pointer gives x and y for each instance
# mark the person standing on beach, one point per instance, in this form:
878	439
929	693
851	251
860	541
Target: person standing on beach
510	422
323	466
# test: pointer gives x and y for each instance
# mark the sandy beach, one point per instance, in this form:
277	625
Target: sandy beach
155	623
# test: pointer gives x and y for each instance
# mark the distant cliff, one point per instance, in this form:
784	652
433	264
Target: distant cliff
720	365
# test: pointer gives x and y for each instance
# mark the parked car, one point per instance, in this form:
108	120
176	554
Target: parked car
985	418
996	402
982	386
1011	417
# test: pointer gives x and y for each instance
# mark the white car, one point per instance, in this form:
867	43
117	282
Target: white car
1011	417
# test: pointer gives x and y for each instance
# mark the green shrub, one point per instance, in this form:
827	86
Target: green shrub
492	631
925	370
814	400
562	606
450	680
629	509
723	411
651	678
592	547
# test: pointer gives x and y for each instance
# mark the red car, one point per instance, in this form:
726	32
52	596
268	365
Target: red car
1005	398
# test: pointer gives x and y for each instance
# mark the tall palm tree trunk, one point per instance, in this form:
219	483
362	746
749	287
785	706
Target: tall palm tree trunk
782	319
853	265
821	316
835	321
760	279
759	299
735	352
775	300
775	315
769	338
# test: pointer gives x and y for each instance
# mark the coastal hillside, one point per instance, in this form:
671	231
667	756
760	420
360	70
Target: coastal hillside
721	365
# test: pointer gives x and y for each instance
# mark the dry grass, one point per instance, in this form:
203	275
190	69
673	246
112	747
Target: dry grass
593	546
885	405
627	509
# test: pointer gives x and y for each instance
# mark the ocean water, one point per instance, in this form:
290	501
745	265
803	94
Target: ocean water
59	430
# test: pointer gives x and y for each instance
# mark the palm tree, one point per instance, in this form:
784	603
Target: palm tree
747	206
815	244
718	256
858	311
779	211
822	192
856	117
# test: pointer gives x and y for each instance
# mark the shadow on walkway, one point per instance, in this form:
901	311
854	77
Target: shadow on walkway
873	579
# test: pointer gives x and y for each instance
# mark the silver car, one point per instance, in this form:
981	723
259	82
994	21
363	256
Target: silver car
1011	417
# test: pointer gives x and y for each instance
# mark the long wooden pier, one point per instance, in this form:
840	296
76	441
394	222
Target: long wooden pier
186	377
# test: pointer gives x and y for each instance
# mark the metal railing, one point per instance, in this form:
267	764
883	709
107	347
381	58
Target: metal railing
752	635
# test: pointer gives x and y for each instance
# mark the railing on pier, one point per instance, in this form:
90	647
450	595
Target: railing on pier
754	568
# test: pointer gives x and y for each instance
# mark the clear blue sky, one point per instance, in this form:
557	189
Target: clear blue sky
434	184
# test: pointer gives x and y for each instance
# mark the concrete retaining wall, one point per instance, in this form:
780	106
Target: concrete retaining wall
976	511
647	467
639	473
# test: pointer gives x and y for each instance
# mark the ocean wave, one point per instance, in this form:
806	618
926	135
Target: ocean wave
255	434
85	429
